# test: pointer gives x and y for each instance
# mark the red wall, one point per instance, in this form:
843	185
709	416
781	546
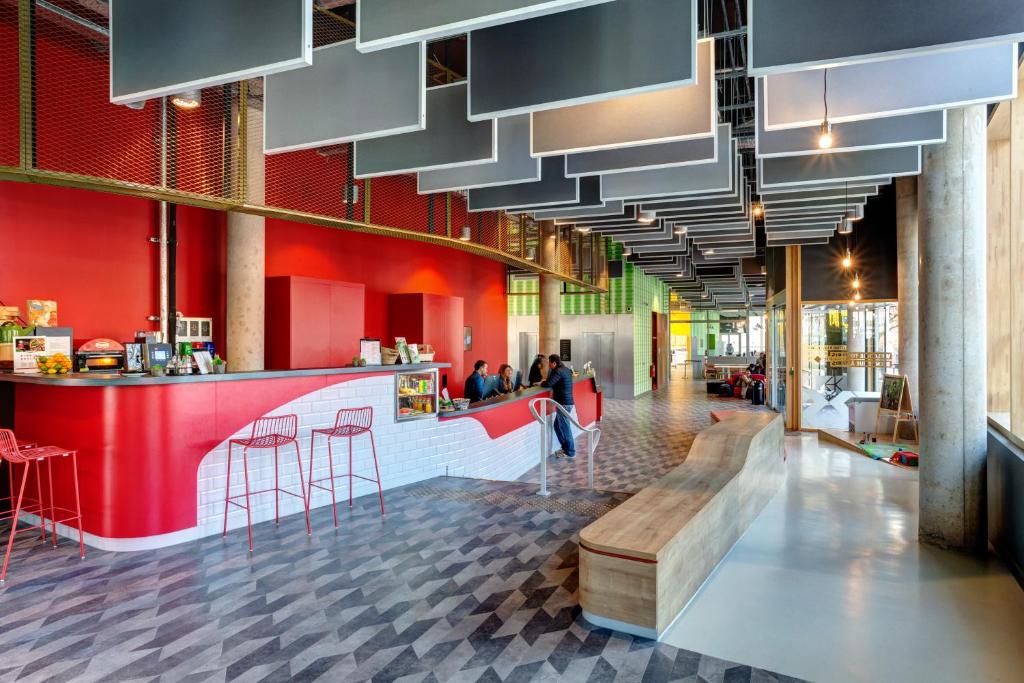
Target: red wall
89	251
389	265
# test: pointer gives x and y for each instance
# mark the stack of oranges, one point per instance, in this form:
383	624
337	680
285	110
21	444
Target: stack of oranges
57	364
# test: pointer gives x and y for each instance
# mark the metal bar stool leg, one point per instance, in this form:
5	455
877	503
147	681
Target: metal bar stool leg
277	490
312	447
14	524
248	505
376	467
39	497
53	516
302	488
330	471
78	506
227	491
350	471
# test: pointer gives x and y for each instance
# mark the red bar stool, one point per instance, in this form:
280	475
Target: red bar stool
10	451
267	432
349	423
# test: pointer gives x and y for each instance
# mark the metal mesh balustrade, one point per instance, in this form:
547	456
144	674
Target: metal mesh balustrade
65	131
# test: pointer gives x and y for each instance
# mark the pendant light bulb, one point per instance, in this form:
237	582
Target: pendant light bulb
856	282
758	210
847	260
856	296
825	135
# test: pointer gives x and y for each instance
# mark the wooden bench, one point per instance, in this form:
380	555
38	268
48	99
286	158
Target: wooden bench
643	561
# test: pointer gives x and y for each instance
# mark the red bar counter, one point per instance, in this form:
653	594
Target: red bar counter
150	449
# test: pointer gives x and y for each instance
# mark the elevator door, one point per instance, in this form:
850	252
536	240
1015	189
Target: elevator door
599	349
528	343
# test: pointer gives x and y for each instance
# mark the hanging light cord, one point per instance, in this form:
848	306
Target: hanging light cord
824	95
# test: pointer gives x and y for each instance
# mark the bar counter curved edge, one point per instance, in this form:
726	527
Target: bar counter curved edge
153	450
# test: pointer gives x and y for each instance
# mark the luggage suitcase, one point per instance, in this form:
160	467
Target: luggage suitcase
725	390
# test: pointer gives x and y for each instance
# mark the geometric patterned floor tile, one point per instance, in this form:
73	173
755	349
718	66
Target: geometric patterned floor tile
464	580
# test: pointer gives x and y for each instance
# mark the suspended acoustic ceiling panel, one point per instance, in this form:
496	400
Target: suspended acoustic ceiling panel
683	113
773	198
682	215
448	140
549	62
625	226
812	233
611	209
780	190
818	223
790	35
665	233
514	164
384	24
642	157
803	241
553	188
925	128
589	197
314	107
628	214
843	166
904	85
680	180
156	50
840	202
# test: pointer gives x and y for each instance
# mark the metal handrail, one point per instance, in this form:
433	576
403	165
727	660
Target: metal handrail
593	437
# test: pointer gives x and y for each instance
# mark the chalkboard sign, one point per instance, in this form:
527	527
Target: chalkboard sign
565	349
892	393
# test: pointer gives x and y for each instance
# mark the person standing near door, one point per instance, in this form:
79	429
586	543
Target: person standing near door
559	381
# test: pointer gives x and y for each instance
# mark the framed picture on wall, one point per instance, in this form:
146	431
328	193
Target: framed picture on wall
467	338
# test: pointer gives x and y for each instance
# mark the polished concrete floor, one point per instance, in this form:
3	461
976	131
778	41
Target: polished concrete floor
830	584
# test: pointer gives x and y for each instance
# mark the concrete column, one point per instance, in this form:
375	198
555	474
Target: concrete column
855	343
906	273
246	252
951	242
550	292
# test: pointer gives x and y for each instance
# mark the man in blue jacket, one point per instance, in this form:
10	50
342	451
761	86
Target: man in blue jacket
559	381
474	389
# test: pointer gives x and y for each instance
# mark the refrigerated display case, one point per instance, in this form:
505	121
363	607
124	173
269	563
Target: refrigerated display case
415	394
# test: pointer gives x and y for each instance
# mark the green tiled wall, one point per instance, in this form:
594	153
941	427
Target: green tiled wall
650	296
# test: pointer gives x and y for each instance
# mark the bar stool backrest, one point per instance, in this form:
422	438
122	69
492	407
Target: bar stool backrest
286	426
360	418
9	447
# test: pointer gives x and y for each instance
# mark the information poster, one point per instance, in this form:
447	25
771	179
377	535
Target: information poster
403	350
369	350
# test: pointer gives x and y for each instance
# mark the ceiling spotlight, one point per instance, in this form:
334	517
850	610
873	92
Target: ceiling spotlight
627	252
844	227
703	295
848	259
583	230
710	252
855	212
467	234
646	217
679	274
190	99
141	104
758	210
856	296
680	231
856	282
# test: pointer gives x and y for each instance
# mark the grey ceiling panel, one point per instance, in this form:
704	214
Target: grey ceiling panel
832	202
682	113
628	214
589	197
904	85
817	224
681	180
384	24
549	61
553	188
448	140
843	166
514	164
776	198
314	107
610	209
788	35
155	51
793	188
642	157
792	241
925	128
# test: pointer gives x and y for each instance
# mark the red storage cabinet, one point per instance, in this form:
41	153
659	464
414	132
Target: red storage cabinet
312	323
433	319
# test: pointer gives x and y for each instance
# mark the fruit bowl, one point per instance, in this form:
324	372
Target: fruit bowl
57	364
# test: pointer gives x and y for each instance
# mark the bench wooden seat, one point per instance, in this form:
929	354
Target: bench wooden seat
643	561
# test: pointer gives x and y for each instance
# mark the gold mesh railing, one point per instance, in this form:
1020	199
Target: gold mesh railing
58	126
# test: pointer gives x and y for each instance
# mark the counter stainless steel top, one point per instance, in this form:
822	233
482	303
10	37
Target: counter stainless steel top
97	379
504	399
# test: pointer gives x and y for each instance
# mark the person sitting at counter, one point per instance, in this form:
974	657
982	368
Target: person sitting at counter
536	375
474	389
560	381
504	385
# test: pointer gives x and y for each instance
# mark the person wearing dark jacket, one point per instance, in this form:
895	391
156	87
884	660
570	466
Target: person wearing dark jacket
536	375
474	389
560	382
504	385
